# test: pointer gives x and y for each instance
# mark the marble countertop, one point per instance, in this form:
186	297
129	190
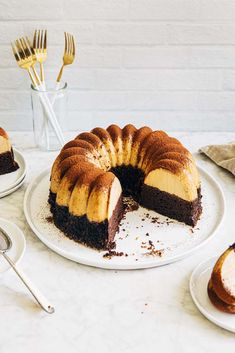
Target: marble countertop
105	310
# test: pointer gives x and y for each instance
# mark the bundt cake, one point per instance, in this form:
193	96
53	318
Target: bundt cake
7	162
93	172
221	286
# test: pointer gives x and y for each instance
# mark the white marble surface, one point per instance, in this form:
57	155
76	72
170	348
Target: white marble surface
104	310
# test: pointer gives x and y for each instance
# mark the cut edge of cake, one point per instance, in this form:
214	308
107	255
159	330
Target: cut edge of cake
7	161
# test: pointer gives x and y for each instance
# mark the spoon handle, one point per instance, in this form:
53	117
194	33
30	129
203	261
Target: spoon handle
42	301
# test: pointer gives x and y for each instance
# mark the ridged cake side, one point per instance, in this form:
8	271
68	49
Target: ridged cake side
83	175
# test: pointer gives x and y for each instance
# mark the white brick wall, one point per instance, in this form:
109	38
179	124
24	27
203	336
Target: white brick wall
166	63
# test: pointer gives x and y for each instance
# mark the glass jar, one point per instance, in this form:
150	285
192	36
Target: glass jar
55	96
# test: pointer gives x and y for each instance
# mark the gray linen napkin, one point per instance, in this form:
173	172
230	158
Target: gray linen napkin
223	155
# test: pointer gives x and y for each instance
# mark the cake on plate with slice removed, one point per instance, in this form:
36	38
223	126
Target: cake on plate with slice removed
7	162
93	172
221	287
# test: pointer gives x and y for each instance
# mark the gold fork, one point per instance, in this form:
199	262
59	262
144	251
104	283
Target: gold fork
69	53
26	59
40	49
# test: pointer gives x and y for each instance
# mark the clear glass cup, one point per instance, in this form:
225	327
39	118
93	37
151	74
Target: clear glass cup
44	133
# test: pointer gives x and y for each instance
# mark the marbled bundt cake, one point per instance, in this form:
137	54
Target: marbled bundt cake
94	170
7	162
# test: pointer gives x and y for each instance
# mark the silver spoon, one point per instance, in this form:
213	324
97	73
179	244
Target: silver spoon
5	245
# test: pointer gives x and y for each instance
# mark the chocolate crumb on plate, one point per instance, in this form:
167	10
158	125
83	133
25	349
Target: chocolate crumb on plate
152	251
109	254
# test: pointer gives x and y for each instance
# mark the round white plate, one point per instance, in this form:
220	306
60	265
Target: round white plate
10	180
10	191
198	289
18	244
175	240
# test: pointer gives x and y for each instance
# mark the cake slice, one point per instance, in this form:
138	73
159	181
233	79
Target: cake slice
7	162
223	276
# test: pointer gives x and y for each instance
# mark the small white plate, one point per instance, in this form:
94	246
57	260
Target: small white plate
10	180
10	191
137	232
198	289
18	244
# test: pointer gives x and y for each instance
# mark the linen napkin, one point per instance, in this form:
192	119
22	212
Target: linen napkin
223	155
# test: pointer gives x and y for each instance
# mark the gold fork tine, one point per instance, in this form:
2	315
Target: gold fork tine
67	49
40	39
26	48
73	45
35	39
45	40
18	49
66	42
70	45
15	52
29	46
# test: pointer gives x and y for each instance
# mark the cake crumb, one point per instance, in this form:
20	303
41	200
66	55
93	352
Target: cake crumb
109	254
152	251
49	219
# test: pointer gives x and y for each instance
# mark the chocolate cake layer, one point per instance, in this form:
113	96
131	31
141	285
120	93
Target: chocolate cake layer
131	180
7	163
80	229
170	205
101	235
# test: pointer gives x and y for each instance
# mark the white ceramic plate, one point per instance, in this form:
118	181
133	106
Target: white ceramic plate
141	226
10	180
10	191
198	289
18	244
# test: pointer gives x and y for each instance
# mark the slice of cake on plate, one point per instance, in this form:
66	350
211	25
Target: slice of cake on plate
7	162
221	287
